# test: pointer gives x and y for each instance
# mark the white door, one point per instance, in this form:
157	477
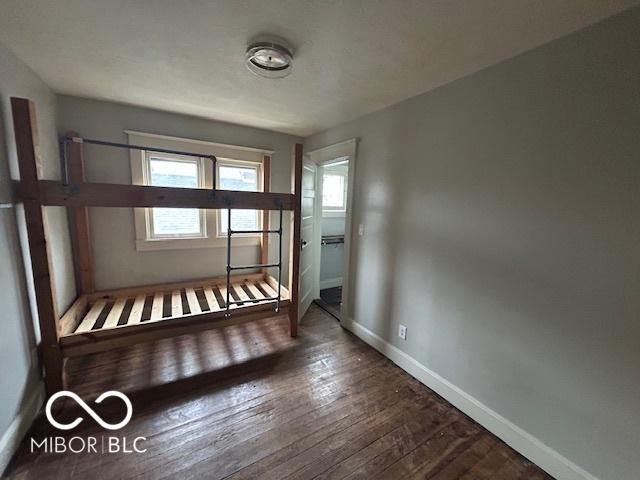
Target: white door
307	237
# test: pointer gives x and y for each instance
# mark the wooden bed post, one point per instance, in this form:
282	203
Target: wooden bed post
294	254
24	124
266	214
79	216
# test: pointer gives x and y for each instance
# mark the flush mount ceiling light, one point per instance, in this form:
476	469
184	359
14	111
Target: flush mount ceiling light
269	59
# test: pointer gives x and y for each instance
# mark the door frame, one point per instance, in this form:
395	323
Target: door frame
320	156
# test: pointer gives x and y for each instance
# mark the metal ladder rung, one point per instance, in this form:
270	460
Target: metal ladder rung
248	232
231	268
258	265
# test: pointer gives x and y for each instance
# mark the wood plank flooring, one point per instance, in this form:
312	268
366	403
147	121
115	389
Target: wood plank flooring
249	402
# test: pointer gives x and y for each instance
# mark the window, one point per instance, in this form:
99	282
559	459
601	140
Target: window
333	191
243	176
238	168
173	171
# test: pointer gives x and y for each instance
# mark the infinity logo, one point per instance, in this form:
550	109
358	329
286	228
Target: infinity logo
89	410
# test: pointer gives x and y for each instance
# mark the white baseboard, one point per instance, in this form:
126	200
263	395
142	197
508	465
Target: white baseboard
331	283
524	443
11	439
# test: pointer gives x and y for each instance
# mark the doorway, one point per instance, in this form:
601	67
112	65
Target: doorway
334	167
333	184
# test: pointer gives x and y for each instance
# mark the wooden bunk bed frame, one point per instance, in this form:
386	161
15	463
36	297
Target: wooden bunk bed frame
101	320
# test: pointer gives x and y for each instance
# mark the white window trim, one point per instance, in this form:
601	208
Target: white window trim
146	174
239	154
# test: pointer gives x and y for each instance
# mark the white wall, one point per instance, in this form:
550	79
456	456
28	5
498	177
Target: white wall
117	263
502	214
19	375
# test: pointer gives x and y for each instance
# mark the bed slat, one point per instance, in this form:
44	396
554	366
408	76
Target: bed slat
90	320
192	299
156	308
242	295
136	312
114	314
223	292
211	299
176	303
267	288
256	293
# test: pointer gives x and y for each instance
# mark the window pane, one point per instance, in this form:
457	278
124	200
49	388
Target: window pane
240	220
165	172
173	173
176	221
333	191
238	178
243	179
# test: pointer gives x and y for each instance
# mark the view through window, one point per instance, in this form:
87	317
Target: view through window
174	222
333	192
243	178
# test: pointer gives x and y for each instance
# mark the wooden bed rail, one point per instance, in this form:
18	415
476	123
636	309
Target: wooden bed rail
97	341
87	194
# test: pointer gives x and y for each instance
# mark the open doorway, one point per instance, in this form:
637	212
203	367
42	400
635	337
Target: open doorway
333	182
332	225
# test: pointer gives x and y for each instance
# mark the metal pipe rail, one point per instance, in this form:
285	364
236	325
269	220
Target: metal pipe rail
230	268
247	232
257	265
66	140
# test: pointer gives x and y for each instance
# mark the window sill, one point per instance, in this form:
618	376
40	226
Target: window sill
189	243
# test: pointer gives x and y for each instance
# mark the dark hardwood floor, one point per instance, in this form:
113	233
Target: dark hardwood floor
330	300
248	402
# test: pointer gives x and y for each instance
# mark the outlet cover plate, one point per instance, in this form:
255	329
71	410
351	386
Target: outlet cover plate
402	332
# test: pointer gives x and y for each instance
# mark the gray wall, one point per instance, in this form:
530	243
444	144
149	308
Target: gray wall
332	226
117	263
19	374
331	263
332	256
503	213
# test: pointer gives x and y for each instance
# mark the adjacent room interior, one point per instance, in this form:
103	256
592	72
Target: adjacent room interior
334	208
304	240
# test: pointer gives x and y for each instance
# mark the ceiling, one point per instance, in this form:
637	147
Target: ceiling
352	57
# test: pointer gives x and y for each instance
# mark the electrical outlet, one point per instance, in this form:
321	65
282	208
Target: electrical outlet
361	229
402	332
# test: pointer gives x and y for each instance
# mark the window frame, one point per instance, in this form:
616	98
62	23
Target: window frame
231	162
199	162
224	153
